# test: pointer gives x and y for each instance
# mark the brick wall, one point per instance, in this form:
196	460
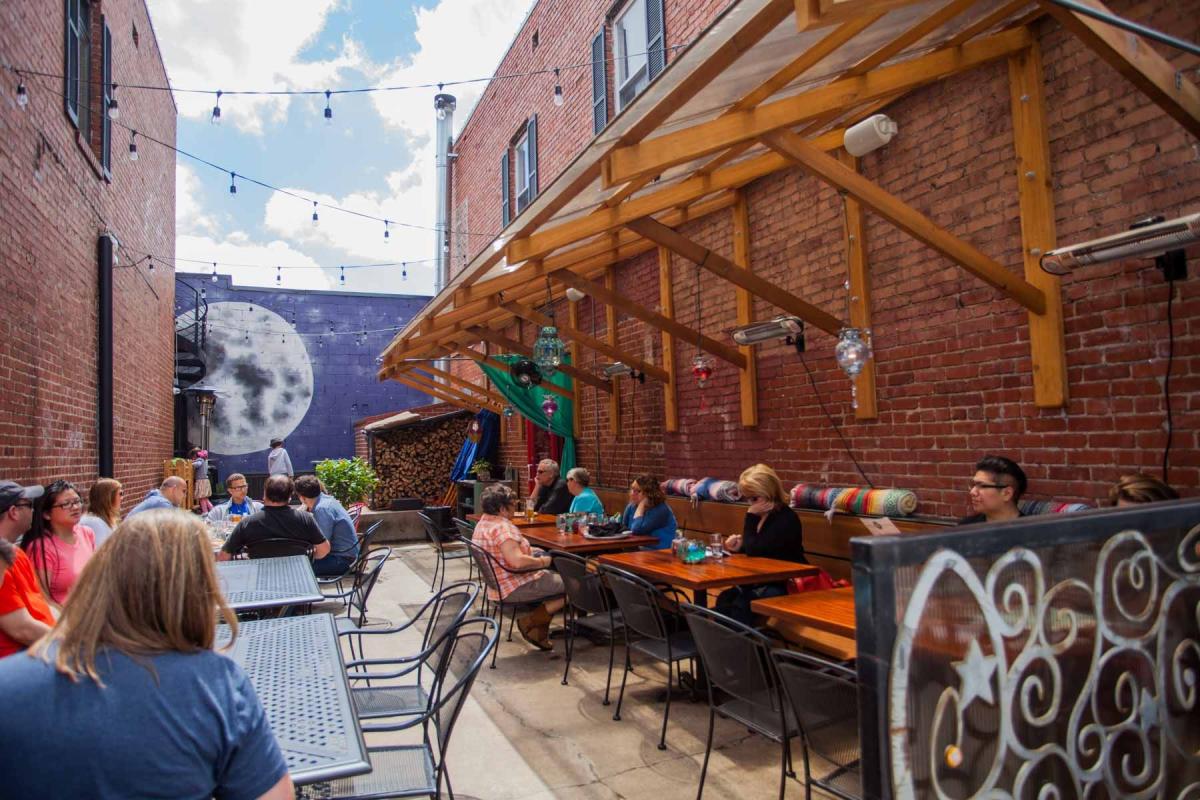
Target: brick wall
952	356
54	204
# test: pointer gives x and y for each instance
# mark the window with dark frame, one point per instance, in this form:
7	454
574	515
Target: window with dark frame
87	95
519	172
78	72
639	55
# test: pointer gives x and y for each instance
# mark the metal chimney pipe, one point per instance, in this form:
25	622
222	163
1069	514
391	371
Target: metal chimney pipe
444	105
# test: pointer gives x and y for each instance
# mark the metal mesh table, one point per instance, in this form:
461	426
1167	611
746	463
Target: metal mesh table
296	667
268	582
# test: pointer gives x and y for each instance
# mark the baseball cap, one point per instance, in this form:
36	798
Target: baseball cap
11	492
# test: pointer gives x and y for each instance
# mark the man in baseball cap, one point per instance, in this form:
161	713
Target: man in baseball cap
24	613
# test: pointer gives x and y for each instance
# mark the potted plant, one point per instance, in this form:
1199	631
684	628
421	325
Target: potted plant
350	480
482	469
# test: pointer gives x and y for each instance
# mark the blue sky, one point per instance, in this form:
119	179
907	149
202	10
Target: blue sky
376	157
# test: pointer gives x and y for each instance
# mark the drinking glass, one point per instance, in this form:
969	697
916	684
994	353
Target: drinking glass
716	544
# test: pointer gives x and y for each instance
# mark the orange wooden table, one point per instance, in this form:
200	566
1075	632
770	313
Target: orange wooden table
523	522
822	620
549	538
735	570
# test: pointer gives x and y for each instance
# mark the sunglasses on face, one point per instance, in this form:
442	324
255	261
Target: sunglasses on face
981	485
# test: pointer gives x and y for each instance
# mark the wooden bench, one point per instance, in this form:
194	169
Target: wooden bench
826	543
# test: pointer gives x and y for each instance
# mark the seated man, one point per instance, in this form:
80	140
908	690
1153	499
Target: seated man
277	520
550	494
237	504
586	501
170	494
997	486
335	524
24	613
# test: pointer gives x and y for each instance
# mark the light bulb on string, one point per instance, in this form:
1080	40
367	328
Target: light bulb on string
558	95
214	272
233	183
279	276
386	235
247	338
403	271
342	276
22	95
315	218
114	110
133	155
283	338
216	112
328	110
150	264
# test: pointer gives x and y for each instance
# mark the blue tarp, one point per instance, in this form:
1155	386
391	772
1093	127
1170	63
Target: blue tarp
485	448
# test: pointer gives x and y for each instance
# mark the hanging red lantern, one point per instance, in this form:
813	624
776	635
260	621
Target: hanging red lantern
549	406
475	432
702	369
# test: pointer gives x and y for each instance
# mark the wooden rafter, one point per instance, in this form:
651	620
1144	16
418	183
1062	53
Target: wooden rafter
599	291
573	348
722	267
907	218
610	332
656	155
1137	61
435	375
666	300
820	13
747	378
513	346
444	392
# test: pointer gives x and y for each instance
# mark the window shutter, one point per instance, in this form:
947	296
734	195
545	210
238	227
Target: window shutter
599	83
533	157
107	92
71	48
656	39
505	208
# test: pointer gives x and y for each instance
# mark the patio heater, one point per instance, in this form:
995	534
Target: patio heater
206	399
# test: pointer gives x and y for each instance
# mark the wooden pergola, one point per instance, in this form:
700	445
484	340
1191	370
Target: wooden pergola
771	85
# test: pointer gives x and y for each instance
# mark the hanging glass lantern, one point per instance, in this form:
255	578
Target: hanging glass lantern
509	411
702	369
549	406
548	350
852	353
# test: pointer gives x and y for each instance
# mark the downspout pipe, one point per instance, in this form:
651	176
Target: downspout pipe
106	250
444	106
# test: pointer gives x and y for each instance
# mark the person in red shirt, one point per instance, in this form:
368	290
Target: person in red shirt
24	613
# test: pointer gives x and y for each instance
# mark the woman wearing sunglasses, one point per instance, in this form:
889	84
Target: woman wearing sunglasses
58	544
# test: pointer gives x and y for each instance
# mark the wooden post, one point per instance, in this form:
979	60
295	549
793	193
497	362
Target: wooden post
1035	188
748	376
577	415
666	301
610	318
860	294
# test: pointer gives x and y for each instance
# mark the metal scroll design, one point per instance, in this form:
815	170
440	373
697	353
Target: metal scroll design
1092	684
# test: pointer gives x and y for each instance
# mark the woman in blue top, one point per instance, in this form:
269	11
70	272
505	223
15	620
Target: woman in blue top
585	500
126	697
648	513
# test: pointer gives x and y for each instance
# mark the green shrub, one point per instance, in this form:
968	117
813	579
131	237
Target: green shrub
482	469
350	480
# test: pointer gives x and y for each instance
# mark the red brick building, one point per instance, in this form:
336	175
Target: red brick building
952	354
68	188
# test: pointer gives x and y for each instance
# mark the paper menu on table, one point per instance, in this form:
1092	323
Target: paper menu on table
879	526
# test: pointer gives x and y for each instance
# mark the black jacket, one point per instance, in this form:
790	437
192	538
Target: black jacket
780	536
554	500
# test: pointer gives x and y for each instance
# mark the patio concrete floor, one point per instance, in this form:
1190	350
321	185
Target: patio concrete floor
524	735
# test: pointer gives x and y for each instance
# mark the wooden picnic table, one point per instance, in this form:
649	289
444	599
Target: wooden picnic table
734	570
523	522
548	537
823	620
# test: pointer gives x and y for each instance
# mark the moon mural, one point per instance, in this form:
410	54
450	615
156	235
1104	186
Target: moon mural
261	371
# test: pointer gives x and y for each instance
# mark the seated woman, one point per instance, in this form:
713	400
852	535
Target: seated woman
104	508
648	513
57	544
496	534
1138	488
771	530
586	501
127	689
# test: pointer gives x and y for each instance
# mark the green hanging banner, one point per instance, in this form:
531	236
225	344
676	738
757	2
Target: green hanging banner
527	400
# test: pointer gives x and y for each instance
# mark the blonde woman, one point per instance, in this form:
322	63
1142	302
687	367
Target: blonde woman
126	697
104	508
771	530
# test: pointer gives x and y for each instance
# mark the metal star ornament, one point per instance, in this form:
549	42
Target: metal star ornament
975	676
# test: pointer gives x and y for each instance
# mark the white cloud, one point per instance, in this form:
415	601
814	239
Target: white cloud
239	248
189	218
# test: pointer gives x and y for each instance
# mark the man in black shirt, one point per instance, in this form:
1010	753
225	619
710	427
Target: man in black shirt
276	520
995	489
550	494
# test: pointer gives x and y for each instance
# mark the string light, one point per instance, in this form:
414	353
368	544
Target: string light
386	235
22	95
133	156
316	219
150	264
114	110
216	112
328	110
404	272
279	276
558	95
233	183
214	272
342	276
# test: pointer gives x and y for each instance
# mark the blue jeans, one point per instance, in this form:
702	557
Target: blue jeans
735	603
332	565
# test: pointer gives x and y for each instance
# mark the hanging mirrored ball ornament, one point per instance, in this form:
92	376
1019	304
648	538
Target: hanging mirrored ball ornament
549	406
702	369
852	353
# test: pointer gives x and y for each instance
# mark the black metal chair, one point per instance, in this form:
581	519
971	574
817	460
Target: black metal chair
586	593
355	598
445	610
278	548
489	567
737	661
448	549
641	605
419	770
356	567
824	697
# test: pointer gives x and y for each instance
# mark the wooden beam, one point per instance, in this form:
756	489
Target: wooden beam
573	323
1035	184
600	292
579	337
447	393
513	346
724	268
567	332
610	332
409	382
822	13
867	405
433	374
748	377
1140	63
908	219
666	301
656	155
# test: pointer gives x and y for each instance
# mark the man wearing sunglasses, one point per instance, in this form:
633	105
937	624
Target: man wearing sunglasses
550	493
24	613
997	486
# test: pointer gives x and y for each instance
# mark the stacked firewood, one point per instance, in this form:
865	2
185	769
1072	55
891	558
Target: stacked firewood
416	460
